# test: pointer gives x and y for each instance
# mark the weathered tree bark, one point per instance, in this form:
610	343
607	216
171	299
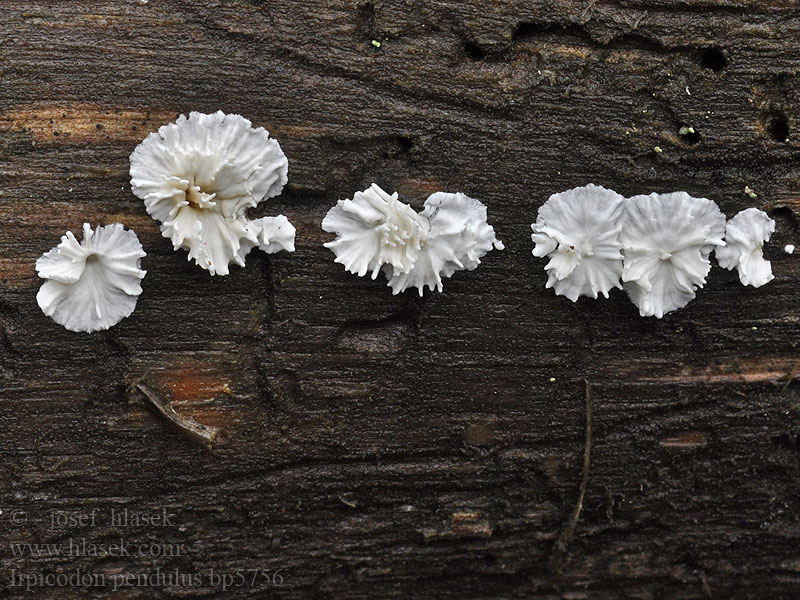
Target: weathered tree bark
379	446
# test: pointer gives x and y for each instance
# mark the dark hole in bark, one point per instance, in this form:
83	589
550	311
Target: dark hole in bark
473	51
779	128
398	146
784	213
405	144
688	134
526	31
713	58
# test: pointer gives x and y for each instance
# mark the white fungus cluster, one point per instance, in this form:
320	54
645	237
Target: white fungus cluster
199	175
655	246
92	284
376	232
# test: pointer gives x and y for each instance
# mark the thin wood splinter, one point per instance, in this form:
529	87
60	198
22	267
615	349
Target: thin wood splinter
569	530
197	432
793	372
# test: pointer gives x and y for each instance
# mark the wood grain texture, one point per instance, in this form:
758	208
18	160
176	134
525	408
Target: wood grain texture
379	446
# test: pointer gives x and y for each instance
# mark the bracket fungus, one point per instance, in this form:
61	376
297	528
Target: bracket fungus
377	232
745	235
578	230
199	175
92	284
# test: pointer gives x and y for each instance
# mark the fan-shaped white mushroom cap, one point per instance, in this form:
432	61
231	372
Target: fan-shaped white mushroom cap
745	235
275	234
579	231
666	240
375	229
459	236
199	175
376	232
92	284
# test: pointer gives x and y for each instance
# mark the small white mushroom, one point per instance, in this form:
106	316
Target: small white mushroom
377	232
274	234
789	248
375	229
199	175
578	230
92	284
745	235
458	237
667	239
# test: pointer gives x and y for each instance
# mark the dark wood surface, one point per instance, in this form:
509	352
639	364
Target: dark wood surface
379	446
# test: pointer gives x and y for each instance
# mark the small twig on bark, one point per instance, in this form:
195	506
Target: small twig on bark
569	530
197	432
793	372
